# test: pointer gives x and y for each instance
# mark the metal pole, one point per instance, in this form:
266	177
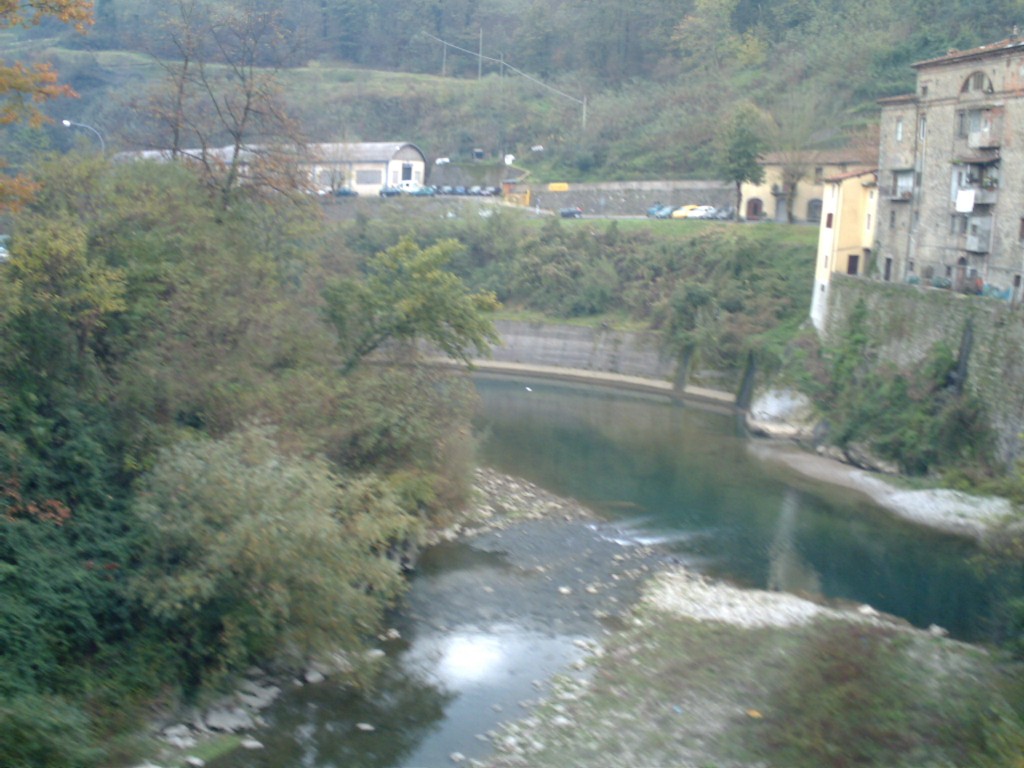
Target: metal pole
70	123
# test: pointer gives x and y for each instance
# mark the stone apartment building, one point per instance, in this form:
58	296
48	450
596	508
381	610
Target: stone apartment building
951	174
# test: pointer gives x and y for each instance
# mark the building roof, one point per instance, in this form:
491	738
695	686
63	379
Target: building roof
1010	45
851	175
817	157
361	151
357	152
903	98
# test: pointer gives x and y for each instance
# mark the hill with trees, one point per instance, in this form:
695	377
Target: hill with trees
657	77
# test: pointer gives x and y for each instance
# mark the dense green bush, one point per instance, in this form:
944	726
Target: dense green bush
45	732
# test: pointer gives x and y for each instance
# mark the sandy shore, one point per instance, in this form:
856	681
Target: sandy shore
945	510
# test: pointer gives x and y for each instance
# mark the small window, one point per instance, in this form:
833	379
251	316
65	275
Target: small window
828	221
922	127
924	90
819	174
867	224
892	220
910	266
1016	281
899	129
961	124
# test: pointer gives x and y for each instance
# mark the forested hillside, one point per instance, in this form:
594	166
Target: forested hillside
657	76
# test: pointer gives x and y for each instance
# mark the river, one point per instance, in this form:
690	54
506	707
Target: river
479	633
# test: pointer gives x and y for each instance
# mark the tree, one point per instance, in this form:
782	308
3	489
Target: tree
738	149
23	87
408	295
220	86
250	554
59	276
706	39
793	130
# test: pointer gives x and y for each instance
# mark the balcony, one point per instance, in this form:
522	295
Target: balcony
901	195
983	140
986	195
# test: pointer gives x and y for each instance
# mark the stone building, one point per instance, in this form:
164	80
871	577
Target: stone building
951	174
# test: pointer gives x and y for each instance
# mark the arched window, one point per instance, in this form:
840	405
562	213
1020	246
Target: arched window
977	82
755	209
814	210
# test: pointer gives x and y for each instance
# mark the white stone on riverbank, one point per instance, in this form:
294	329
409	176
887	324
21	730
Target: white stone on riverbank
692	595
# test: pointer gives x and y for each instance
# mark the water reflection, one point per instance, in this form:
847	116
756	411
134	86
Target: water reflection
684	478
788	571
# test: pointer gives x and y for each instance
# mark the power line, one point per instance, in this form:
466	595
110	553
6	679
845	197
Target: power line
482	58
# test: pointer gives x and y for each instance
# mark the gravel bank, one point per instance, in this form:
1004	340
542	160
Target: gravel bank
945	510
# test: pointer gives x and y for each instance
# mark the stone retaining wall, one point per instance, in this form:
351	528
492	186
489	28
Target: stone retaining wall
908	321
592	349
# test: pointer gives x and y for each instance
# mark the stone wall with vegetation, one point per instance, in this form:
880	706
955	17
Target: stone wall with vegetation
906	322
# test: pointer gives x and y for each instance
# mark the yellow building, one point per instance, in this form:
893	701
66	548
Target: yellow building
846	234
794	183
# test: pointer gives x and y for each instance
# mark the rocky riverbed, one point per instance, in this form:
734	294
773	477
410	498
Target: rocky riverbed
724	644
563	573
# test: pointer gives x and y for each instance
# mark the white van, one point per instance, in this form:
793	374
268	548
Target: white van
408	186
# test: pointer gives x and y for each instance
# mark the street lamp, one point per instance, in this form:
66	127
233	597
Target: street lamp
70	123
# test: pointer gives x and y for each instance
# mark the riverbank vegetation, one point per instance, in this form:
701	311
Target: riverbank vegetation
198	471
721	297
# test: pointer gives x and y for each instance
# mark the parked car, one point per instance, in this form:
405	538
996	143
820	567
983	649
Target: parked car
702	212
725	214
683	212
427	191
390	191
408	186
345	192
571	213
660	212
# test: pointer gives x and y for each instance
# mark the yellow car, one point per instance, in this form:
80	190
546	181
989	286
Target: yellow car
684	211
